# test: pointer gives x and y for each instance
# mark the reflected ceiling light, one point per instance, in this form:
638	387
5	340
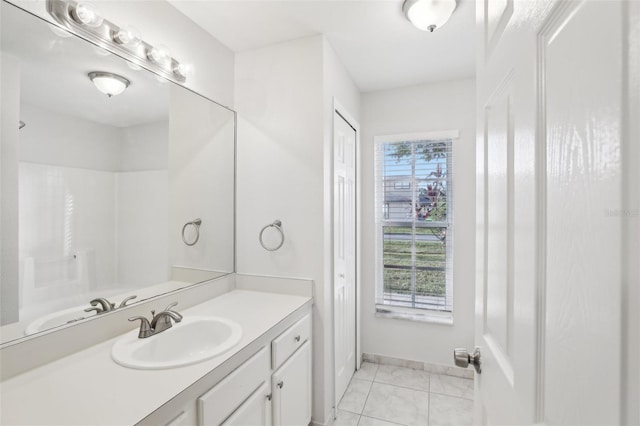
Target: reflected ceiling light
87	14
108	83
428	15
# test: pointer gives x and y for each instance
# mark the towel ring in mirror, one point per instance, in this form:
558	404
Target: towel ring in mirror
278	226
196	224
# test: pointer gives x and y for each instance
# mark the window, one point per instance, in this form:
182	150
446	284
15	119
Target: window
414	224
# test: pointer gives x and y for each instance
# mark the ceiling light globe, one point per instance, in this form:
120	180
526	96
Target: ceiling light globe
428	15
87	14
108	83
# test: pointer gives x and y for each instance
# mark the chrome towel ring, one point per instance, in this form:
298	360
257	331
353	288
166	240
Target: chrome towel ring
196	224
278	226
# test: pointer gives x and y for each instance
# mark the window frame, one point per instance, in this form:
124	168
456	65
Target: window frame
381	221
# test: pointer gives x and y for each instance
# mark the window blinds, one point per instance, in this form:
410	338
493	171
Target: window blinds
413	216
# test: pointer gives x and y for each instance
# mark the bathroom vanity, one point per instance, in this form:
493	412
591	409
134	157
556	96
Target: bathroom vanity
264	379
128	197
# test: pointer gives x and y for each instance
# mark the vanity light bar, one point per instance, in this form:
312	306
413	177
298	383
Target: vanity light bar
85	20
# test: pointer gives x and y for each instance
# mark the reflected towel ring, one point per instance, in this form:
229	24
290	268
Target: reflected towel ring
278	226
196	223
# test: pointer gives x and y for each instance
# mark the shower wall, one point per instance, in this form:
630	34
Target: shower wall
89	220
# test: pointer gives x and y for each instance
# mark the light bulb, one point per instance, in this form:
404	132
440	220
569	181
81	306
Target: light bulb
127	35
87	14
159	55
181	70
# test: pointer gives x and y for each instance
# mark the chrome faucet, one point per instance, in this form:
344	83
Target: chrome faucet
159	322
102	305
124	302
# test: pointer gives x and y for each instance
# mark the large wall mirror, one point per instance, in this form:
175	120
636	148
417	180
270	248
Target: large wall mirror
103	197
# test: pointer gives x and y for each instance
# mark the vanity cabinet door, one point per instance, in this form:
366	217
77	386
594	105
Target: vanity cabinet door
255	411
227	396
291	388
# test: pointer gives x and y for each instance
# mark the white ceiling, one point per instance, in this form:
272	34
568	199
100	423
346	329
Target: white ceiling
373	39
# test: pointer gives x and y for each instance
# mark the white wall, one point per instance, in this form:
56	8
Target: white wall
141	210
161	23
142	202
64	140
145	147
280	171
201	182
284	99
434	107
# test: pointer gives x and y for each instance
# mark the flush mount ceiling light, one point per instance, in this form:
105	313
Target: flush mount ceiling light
108	83
85	19
428	15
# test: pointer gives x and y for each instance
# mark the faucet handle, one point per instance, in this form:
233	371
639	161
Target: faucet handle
124	302
171	305
95	308
178	317
145	326
104	304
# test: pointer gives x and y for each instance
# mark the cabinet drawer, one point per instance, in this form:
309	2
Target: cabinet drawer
288	342
225	397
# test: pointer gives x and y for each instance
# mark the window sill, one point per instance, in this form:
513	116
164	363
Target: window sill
432	317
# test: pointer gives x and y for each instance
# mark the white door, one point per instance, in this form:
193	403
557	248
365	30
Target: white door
552	197
344	252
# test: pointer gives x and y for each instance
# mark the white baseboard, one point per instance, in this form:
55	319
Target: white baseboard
448	370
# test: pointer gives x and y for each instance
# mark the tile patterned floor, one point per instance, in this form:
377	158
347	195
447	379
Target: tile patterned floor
386	395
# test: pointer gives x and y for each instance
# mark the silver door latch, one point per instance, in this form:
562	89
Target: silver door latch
463	359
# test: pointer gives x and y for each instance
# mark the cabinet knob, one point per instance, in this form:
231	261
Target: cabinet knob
297	338
280	384
269	397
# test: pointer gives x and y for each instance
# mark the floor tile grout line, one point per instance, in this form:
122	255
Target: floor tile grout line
429	408
384	420
402	387
451	396
349	411
365	401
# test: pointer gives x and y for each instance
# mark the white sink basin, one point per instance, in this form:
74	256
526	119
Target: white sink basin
56	319
192	340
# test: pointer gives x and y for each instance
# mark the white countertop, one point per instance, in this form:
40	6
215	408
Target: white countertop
88	387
